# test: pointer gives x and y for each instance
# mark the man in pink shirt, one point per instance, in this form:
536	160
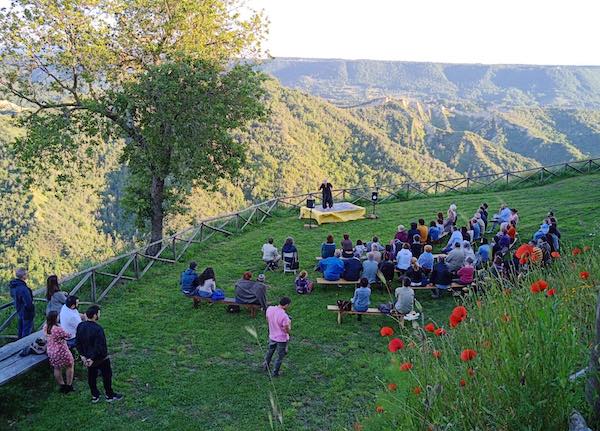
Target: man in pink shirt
279	334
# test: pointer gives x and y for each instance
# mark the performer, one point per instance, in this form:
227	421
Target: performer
327	195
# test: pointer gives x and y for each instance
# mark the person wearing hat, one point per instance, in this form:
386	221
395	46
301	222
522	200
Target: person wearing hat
251	292
402	235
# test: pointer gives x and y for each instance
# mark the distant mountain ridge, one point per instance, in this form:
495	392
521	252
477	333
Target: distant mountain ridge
356	81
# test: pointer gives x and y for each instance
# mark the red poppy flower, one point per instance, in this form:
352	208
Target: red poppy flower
379	409
576	251
551	292
392	387
470	372
543	284
584	275
430	327
538	286
468	355
454	321
524	251
406	366
417	390
436	354
460	312
440	331
395	344
522	261
386	331
463	382
555	254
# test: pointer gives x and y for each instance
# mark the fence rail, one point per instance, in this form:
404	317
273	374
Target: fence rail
96	282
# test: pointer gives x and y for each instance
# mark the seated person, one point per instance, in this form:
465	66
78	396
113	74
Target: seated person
501	242
248	291
290	253
387	268
375	241
542	231
484	253
362	296
370	268
328	247
416	248
455	237
332	267
480	222
376	253
388	253
546	250
415	274
425	261
455	258
401	235
503	216
270	254
189	280
352	269
347	246
465	234
440	223
403	258
412	232
468	250
434	232
514	216
360	249
405	297
206	283
303	284
423	231
440	277
466	273
475	229
497	269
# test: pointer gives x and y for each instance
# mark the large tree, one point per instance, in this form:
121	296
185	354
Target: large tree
158	73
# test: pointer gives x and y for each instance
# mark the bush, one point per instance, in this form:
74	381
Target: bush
506	364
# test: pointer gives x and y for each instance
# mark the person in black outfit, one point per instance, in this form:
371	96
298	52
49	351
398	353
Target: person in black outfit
412	232
387	268
441	278
352	269
327	194
91	345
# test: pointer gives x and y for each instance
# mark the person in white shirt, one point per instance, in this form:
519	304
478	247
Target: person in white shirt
70	318
207	284
270	254
404	257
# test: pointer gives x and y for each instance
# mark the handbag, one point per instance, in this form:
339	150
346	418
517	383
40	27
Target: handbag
344	305
38	347
385	308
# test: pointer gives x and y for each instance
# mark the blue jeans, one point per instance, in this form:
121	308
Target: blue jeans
203	294
440	288
24	327
281	347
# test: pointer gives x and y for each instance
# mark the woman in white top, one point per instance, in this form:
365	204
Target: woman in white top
404	257
468	250
451	219
206	283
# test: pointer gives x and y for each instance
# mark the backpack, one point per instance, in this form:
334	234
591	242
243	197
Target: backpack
344	305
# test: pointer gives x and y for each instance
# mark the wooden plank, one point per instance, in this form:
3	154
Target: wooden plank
20	366
81	283
125	277
16	346
160	259
116	279
337	282
249	219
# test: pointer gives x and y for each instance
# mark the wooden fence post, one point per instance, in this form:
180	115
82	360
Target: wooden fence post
93	284
174	246
136	266
435	191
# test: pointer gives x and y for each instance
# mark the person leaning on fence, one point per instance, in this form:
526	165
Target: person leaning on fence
279	334
362	297
270	255
70	318
189	280
23	302
59	355
405	297
56	298
91	345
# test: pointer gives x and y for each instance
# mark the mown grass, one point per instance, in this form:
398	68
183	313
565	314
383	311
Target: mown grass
185	368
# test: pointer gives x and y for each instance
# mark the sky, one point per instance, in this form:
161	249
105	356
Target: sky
454	31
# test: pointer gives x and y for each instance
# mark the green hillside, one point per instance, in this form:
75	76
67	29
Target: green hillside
188	369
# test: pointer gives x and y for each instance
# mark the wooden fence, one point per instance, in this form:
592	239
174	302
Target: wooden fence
95	283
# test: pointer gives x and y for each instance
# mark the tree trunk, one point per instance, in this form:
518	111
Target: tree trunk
157	194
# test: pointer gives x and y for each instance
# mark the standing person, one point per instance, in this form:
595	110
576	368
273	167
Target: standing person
91	344
70	318
451	218
327	194
279	334
55	297
59	355
23	300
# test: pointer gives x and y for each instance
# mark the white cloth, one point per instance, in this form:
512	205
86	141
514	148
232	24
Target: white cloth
269	252
403	258
69	319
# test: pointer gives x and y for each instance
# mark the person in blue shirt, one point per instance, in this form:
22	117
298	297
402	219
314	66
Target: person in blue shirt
434	232
503	216
425	261
412	232
328	248
456	237
352	269
476	229
23	301
362	296
332	267
189	280
484	253
370	268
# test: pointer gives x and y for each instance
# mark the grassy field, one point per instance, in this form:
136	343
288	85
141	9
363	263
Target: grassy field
184	368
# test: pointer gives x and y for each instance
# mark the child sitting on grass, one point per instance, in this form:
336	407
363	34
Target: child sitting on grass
303	284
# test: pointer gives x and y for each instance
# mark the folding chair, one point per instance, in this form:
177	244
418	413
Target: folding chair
290	262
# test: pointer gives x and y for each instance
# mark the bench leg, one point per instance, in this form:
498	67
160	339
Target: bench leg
196	302
253	312
339	318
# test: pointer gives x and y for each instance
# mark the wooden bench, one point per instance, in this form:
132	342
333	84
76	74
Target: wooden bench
13	365
370	311
340	282
197	300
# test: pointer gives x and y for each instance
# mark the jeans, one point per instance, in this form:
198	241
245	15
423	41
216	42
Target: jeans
24	326
281	347
440	288
106	371
203	294
71	343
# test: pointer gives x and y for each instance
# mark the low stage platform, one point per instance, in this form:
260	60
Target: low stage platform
341	212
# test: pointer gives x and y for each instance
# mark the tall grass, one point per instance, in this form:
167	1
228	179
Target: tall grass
527	345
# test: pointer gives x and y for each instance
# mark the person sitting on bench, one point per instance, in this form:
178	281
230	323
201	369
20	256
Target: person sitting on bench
401	234
332	267
360	249
403	258
405	297
466	273
451	218
375	242
455	238
468	250
475	229
412	232
483	253
362	296
501	242
455	258
415	274
347	247
425	261
440	277
189	280
434	232
250	292
370	268
352	269
387	268
423	231
270	254
206	283
503	216
416	248
328	247
376	253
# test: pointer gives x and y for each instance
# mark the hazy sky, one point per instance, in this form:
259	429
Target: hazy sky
472	31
